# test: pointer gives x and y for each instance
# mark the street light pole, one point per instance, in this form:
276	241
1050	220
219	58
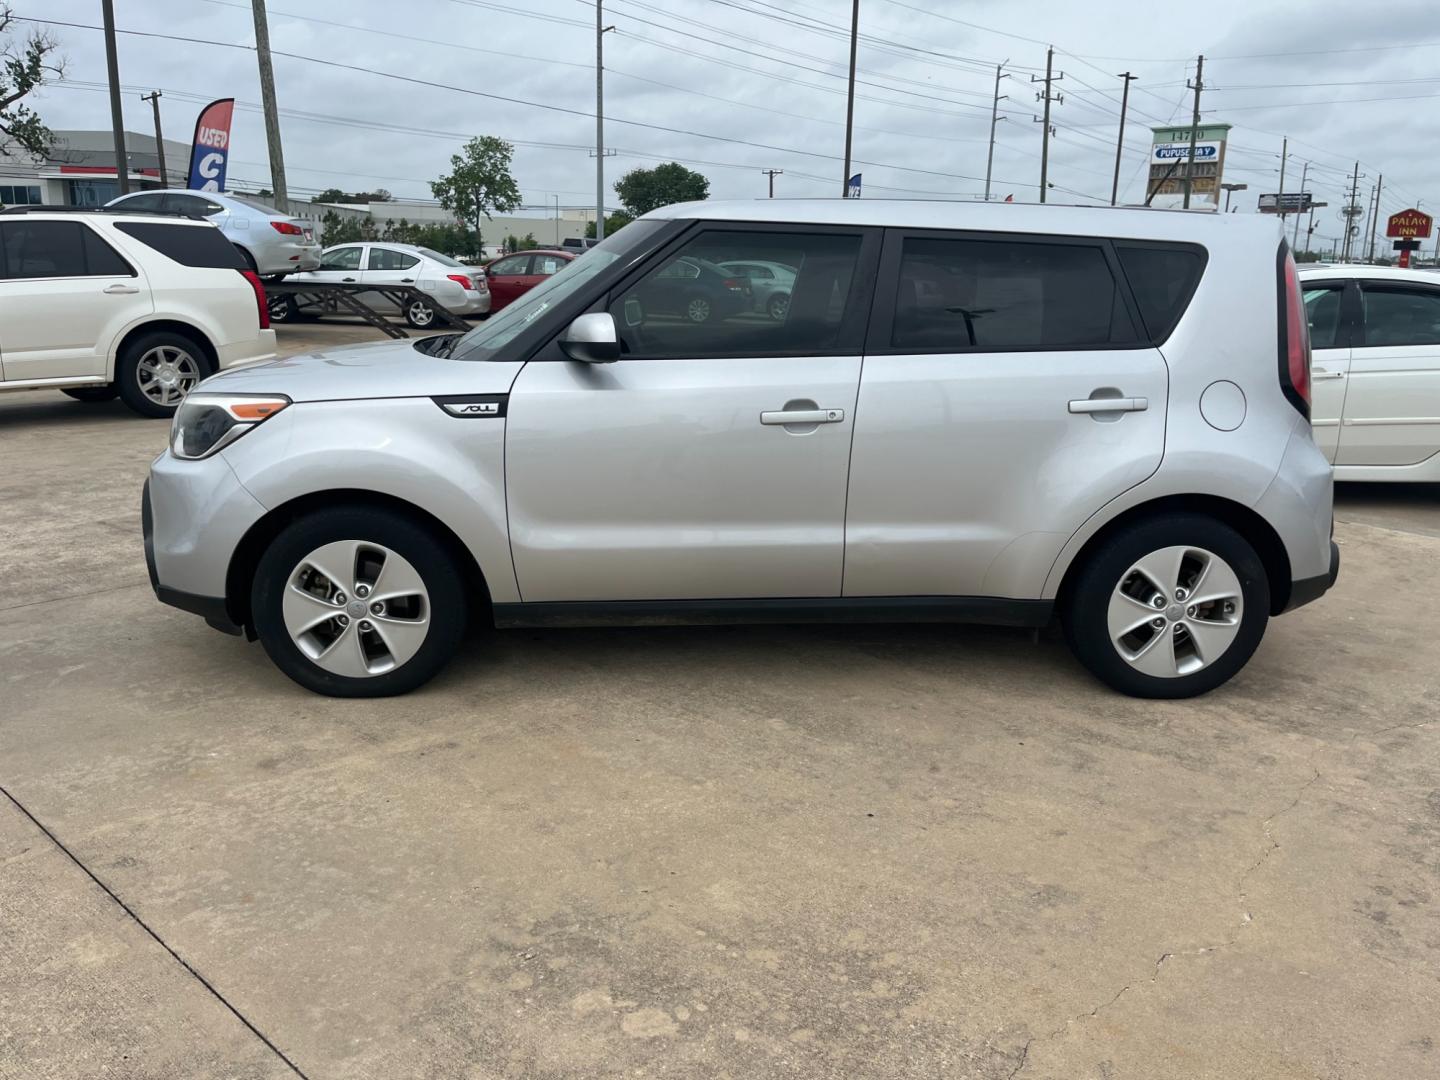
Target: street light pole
599	120
1120	139
850	96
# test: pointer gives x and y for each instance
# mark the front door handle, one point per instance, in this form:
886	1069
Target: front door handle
345	279
803	416
120	290
406	280
1110	404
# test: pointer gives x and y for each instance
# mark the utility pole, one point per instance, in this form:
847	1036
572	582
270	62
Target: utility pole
994	118
1280	198
154	98
117	116
1375	216
600	29
1197	86
772	173
1120	139
272	114
1300	210
850	96
1348	213
557	221
1047	97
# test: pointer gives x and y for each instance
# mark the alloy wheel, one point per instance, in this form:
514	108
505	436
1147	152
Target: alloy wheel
356	609
166	374
420	314
698	310
1175	611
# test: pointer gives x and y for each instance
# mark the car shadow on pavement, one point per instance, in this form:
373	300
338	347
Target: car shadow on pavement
50	409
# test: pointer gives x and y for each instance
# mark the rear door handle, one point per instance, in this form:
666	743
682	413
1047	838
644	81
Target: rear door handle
1318	375
120	290
345	279
803	416
1113	404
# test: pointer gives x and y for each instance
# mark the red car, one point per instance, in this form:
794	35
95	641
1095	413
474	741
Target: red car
511	276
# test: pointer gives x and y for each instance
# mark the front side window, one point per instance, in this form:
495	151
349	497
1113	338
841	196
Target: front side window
1397	316
1322	309
346	258
390	259
692	305
1002	295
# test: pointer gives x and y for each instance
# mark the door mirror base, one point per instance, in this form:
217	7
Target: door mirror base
591	339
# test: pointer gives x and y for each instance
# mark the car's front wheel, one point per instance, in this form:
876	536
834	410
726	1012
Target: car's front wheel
358	603
1169	607
156	371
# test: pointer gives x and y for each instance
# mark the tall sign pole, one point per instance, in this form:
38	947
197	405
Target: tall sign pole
599	120
272	113
1120	138
117	115
1197	86
850	97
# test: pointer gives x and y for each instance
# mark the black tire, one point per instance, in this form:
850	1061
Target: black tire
282	308
1088	602
250	263
420	314
130	381
443	580
92	394
778	306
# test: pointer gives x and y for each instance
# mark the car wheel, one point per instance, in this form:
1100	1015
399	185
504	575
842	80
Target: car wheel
358	603
282	308
157	370
420	314
779	306
1169	608
698	309
92	394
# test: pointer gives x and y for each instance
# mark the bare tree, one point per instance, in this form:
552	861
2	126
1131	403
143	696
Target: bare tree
25	65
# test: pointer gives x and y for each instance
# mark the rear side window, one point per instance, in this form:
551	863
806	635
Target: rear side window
390	259
53	249
1397	315
188	245
1163	278
1005	295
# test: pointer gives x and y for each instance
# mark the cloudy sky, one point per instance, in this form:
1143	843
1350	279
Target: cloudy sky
731	87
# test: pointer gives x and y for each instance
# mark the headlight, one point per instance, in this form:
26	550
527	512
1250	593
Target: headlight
205	423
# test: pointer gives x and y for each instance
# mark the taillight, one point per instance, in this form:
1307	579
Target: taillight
1294	336
260	301
735	284
287	228
461	280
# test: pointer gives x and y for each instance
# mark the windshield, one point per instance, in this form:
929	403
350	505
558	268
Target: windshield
491	336
443	260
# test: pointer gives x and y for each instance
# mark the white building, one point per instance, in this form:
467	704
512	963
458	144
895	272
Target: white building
549	227
80	170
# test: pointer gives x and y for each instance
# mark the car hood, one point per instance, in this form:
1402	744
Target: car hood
377	369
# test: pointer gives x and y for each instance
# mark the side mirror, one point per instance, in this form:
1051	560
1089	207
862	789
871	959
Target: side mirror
592	339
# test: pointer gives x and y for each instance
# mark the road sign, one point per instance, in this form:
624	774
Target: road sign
1291	202
1409	225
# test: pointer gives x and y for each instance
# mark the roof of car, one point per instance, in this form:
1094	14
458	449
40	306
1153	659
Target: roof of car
1117	221
1384	273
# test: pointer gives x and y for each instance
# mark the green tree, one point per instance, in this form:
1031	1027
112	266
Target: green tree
479	181
643	190
331	195
24	67
613	223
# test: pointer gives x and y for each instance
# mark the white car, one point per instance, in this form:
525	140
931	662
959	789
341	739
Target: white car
459	288
97	303
1375	346
771	284
271	243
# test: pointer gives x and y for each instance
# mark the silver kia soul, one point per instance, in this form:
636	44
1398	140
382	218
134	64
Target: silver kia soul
962	412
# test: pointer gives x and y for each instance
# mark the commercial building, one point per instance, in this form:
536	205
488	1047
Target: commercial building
80	170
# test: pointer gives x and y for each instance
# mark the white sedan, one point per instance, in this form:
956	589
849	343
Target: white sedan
460	288
1375	370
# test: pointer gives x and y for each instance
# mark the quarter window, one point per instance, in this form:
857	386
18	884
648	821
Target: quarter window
390	259
1322	309
692	305
1401	316
346	258
1000	295
1163	278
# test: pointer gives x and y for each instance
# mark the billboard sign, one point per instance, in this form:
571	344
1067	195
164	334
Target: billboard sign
1409	225
1291	202
1172	172
1165	153
210	151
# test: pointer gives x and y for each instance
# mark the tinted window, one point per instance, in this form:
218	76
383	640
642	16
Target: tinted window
188	245
1163	278
691	306
1401	316
443	260
192	204
390	259
346	258
548	264
43	249
21	194
517	264
1322	309
150	202
101	258
998	295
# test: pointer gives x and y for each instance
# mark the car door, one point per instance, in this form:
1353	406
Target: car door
1392	403
710	461
65	298
388	266
1327	306
984	435
507	278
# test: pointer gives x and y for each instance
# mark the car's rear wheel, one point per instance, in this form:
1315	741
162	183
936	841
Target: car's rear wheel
1169	607
92	394
250	263
282	308
358	603
779	306
420	314
156	371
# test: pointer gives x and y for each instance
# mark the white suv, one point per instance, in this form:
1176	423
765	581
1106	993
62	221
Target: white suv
97	303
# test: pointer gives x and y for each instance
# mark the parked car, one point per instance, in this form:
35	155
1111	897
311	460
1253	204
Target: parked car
695	289
770	284
271	243
969	412
1375	332
96	303
461	289
511	276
